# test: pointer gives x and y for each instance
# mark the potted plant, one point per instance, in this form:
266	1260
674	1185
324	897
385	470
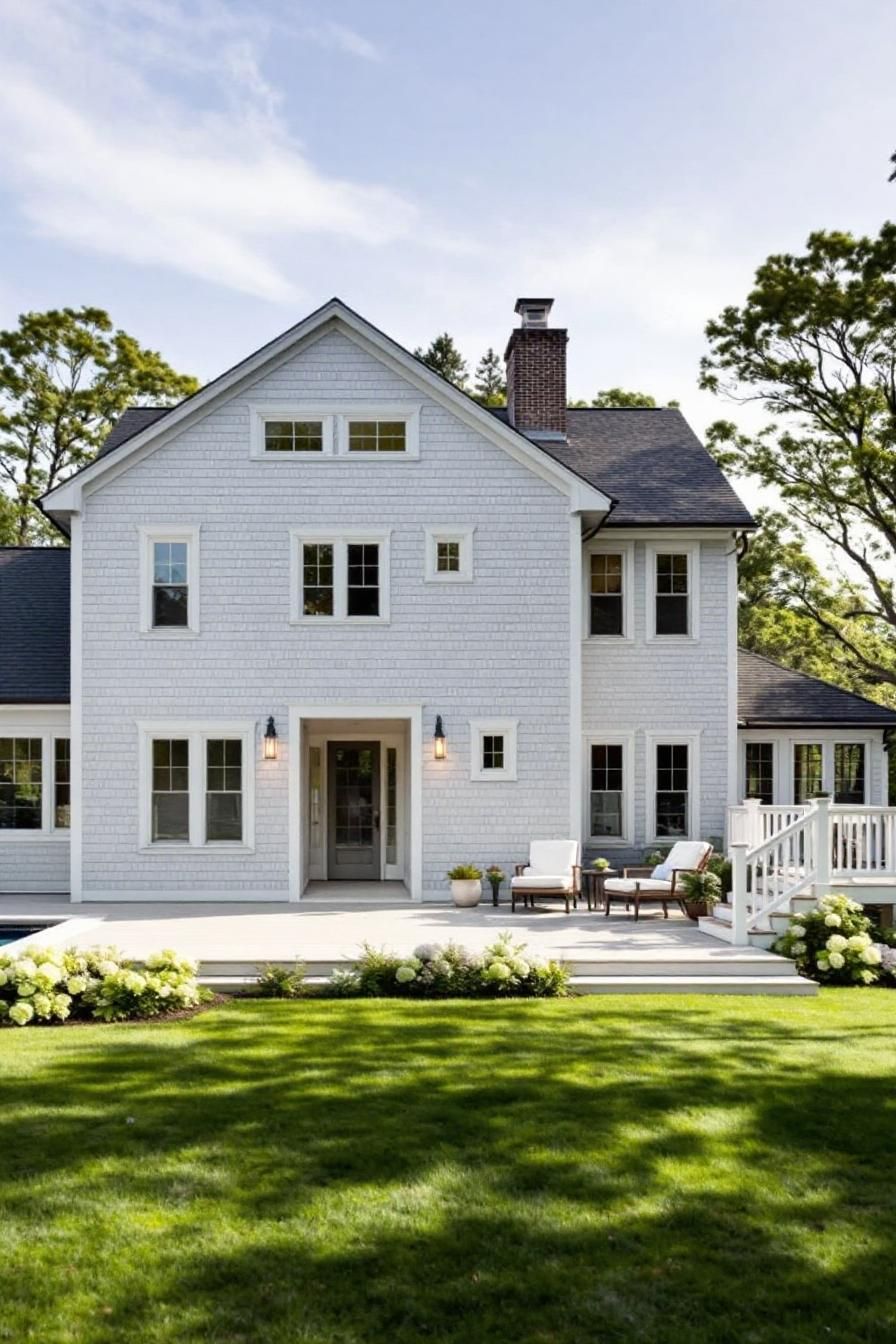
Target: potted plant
701	892
466	884
600	865
495	875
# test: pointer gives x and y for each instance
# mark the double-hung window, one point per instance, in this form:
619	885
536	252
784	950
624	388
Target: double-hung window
169	582
673	578
673	787
606	796
197	784
340	578
606	612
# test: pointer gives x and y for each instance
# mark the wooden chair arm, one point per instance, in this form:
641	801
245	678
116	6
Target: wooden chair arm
577	877
518	869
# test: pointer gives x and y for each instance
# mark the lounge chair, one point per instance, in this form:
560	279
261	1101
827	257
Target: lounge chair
638	886
553	871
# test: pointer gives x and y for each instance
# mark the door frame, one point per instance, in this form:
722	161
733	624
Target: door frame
299	732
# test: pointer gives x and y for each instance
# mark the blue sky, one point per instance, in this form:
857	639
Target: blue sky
210	170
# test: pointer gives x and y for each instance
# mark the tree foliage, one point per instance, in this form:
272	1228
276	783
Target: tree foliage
815	344
65	376
490	384
443	357
610	397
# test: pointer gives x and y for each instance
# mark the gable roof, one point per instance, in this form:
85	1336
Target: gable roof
34	625
129	439
129	423
651	463
769	695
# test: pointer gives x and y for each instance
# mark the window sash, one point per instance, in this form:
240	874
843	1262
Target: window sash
21	783
672	593
606	593
294	436
448	557
672	796
340	578
377	436
318	580
606	804
362	596
170	584
849	773
808	770
759	772
223	790
170	796
62	784
493	751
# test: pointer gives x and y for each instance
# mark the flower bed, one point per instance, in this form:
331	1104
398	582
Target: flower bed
44	985
833	945
434	971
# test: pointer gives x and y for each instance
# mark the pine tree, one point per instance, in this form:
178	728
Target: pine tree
491	388
444	357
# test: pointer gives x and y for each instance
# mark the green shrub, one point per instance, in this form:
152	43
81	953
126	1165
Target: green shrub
703	886
832	943
444	970
276	982
721	866
465	872
50	984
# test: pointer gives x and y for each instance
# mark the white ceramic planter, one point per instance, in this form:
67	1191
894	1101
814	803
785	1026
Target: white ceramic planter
466	891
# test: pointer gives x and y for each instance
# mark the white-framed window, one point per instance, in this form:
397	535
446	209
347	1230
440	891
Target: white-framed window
673	585
493	749
313	432
609	798
337	578
673	786
449	554
35	781
169	580
609	592
197	785
850	773
834	762
759	771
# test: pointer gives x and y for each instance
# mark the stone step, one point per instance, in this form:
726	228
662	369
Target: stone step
721	929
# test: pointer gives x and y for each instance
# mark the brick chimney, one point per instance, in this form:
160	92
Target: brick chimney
536	372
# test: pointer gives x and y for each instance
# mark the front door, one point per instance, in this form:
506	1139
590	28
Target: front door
353	810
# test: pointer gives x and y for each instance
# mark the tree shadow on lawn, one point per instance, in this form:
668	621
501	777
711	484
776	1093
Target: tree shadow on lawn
371	1172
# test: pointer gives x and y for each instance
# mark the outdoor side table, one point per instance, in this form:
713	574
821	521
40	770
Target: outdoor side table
594	885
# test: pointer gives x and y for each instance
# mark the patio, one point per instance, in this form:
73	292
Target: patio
604	953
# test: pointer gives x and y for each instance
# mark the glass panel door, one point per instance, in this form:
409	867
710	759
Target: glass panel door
353	821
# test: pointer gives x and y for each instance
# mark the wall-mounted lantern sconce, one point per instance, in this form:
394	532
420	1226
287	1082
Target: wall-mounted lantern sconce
439	740
270	740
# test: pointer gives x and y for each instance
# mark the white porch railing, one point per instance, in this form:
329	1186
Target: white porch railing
779	852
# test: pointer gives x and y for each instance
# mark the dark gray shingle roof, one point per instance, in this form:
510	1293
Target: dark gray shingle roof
131	422
652	463
34	625
768	694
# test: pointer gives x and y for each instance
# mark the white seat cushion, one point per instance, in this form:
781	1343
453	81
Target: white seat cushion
530	881
625	886
686	854
553	856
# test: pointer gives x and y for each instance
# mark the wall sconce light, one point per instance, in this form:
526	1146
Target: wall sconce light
439	740
270	740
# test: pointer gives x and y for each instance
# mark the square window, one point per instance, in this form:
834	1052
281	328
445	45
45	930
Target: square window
448	557
493	749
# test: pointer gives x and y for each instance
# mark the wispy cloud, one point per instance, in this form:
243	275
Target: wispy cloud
109	149
343	38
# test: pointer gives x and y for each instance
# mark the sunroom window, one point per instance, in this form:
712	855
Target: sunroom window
21	783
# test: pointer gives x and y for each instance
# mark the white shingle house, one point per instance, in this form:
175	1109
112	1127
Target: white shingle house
331	619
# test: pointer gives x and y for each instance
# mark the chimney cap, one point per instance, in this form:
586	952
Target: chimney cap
534	312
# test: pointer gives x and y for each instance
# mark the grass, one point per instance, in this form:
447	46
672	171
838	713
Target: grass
651	1169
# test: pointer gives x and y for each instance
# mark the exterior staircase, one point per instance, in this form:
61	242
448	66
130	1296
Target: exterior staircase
784	860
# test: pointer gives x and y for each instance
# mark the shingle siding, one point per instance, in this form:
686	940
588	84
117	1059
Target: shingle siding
657	688
34	866
464	651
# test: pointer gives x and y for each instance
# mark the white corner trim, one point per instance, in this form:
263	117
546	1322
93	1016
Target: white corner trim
604	545
169	532
626	740
197	732
340	541
506	728
463	535
576	676
691	739
673	547
76	769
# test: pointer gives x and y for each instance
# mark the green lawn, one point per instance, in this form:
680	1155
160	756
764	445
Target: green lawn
651	1169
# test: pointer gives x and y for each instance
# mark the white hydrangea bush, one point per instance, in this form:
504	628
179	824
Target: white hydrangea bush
51	984
445	970
832	943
